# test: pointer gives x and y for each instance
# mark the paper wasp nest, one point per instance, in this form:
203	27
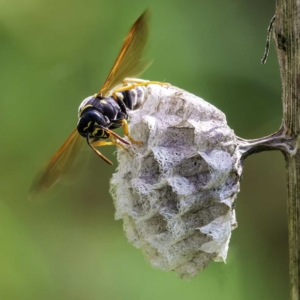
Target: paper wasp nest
176	192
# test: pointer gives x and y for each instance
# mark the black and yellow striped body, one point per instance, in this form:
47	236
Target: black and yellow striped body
96	112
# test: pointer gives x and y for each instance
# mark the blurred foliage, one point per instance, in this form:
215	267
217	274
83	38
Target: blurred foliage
55	53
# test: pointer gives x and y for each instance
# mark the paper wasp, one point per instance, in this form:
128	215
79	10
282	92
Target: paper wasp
107	110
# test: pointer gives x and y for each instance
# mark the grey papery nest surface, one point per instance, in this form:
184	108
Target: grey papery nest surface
176	192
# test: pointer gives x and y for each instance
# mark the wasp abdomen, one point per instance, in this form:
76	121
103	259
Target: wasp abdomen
135	98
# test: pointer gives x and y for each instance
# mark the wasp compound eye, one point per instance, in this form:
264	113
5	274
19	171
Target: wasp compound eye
176	192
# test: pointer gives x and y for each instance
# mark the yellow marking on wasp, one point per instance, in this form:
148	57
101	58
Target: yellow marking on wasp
97	129
103	101
89	105
120	96
89	124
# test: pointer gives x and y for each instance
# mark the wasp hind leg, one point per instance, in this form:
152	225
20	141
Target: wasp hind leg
128	80
131	83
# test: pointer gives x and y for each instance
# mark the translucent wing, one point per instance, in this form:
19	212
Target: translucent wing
129	62
58	165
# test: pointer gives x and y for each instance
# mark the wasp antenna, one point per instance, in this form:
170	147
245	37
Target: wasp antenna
97	152
116	136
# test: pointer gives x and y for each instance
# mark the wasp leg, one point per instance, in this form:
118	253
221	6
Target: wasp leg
126	133
105	143
134	84
134	80
114	140
142	82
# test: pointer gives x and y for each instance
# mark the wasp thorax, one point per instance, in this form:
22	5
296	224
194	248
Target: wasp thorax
90	122
176	192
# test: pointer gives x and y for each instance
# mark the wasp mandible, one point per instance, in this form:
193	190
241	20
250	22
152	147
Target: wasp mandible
106	110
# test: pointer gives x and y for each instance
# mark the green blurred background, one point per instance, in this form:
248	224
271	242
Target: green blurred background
53	54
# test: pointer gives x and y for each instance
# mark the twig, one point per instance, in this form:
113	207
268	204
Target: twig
286	37
267	48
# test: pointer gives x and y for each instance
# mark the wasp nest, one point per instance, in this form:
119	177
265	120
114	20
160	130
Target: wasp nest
176	192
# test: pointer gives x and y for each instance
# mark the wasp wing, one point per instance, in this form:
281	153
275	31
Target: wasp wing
58	166
129	62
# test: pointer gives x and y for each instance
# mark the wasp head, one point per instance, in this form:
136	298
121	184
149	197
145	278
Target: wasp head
90	124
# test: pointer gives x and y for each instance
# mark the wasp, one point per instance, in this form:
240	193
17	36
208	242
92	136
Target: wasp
106	110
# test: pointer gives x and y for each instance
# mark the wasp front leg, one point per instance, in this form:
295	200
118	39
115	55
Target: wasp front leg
126	133
111	143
